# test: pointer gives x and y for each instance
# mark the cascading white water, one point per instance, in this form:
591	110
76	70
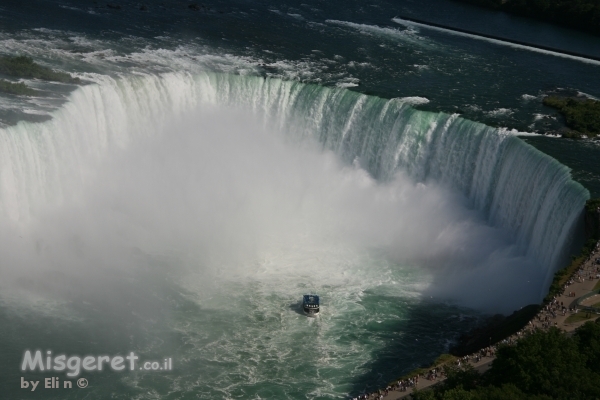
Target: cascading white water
517	188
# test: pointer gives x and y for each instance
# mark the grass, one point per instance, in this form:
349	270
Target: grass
25	67
413	373
579	317
15	88
441	360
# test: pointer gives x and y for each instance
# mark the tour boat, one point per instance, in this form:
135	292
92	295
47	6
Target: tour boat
310	304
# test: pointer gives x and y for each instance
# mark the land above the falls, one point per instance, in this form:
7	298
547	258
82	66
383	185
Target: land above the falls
583	15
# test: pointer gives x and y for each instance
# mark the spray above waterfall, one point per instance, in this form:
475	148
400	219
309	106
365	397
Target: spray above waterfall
227	169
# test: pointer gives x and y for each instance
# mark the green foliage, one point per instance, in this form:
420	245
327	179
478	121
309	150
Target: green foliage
546	363
588	247
562	275
423	395
412	374
588	340
25	67
15	88
580	316
581	115
542	366
592	205
458	393
506	392
464	377
570	134
443	359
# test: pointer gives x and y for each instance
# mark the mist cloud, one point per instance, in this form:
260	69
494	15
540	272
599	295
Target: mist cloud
222	193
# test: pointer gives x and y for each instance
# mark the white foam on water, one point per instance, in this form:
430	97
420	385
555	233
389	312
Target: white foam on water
407	35
414	100
589	96
500	112
528	97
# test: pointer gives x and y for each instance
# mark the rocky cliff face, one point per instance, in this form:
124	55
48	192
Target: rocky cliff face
592	219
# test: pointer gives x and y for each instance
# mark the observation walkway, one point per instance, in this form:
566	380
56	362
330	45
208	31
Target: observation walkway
586	300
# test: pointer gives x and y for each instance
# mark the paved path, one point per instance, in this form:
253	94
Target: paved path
481	367
580	287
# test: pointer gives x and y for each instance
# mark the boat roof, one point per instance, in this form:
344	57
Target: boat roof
311	299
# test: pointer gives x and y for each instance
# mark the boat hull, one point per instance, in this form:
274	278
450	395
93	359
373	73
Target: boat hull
311	312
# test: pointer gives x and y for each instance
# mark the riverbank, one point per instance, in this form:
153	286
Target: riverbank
560	310
558	314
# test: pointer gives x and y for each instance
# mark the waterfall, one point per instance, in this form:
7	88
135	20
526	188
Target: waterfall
515	186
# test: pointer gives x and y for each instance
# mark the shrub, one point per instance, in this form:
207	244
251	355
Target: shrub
581	115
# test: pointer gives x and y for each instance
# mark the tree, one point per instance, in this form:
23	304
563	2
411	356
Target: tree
588	340
548	363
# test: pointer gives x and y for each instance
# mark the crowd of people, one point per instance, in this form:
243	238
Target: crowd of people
542	320
401	386
434	374
589	270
